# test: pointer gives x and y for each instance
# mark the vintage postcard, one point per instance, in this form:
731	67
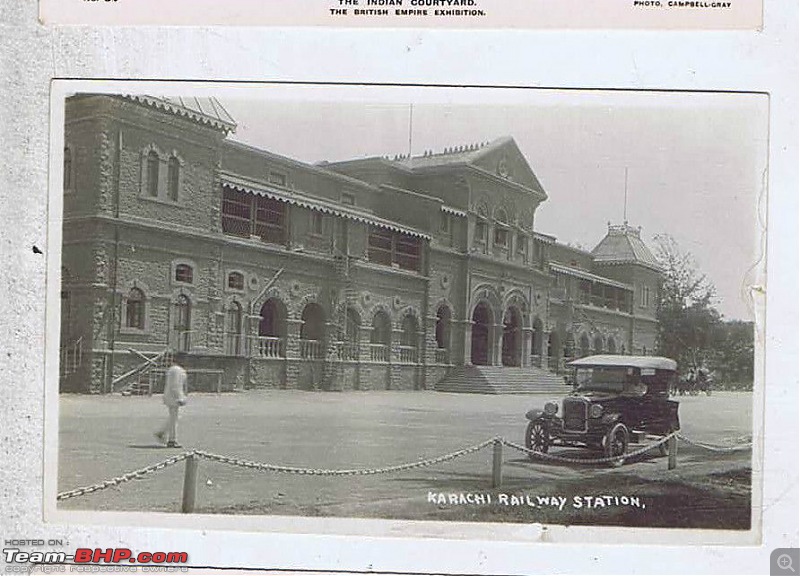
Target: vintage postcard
470	313
441	14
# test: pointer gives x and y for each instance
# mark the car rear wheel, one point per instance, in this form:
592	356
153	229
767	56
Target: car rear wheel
537	437
617	443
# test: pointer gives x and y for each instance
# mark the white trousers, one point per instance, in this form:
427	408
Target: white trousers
170	428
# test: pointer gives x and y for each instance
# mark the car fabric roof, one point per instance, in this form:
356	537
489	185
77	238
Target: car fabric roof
657	362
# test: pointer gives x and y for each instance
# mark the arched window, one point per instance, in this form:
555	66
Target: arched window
134	309
152	173
233	329
313	326
67	169
173	177
182	322
409	331
381	329
312	332
184	273
273	319
381	337
408	349
236	281
501	228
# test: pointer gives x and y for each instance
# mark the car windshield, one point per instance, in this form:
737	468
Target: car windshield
604	378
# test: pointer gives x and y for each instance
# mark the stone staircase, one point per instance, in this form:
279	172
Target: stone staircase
501	380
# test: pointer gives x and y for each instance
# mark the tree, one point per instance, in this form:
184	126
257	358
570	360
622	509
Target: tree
688	322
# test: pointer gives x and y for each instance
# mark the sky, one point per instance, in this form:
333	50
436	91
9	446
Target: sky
695	161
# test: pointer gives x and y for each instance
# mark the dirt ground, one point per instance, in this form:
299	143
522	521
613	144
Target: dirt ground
106	436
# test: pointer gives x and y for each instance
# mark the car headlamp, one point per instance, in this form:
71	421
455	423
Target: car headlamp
596	411
551	408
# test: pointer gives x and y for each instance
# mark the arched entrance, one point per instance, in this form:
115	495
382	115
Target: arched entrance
511	337
481	321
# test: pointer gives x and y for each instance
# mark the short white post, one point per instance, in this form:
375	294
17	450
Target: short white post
497	463
189	485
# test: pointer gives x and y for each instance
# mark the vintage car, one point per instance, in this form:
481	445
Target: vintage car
616	400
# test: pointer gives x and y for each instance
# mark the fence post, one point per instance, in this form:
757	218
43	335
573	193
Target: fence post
673	453
497	463
189	485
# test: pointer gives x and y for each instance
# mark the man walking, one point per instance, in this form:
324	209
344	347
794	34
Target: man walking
174	397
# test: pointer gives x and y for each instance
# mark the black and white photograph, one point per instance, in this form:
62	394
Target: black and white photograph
487	308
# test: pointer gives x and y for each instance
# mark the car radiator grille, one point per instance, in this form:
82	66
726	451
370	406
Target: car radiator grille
575	415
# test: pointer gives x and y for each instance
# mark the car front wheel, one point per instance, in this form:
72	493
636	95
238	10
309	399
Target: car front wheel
617	443
537	437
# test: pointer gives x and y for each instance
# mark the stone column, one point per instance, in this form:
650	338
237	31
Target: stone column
293	352
395	369
527	337
496	341
364	367
250	348
467	342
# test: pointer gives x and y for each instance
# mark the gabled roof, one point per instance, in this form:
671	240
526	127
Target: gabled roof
466	154
624	245
206	110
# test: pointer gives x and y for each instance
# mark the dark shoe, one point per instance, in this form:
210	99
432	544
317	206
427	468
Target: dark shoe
172	444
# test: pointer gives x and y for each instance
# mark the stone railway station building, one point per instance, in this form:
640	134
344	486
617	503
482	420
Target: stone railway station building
376	273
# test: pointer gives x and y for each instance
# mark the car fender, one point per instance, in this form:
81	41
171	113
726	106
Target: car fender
610	418
535	414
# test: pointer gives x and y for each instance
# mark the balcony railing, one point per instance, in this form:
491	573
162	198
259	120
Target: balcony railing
442	356
378	353
267	347
311	350
408	354
347	350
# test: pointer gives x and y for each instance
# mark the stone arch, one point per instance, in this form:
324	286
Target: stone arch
275	292
489	294
512	337
273	313
299	304
598	346
515	297
483	318
584	346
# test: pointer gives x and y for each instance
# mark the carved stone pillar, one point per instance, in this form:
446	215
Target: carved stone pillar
293	352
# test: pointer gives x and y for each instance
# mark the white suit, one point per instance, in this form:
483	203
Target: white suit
174	398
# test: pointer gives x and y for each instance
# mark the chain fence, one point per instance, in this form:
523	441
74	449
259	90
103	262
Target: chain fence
135	475
745	444
354	472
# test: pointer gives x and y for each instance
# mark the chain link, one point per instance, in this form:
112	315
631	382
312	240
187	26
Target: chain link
355	472
745	446
135	475
604	460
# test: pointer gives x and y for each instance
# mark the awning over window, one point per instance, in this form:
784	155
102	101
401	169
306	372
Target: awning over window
453	211
577	273
320	204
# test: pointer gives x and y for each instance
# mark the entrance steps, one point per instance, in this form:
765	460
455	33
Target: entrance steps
501	380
